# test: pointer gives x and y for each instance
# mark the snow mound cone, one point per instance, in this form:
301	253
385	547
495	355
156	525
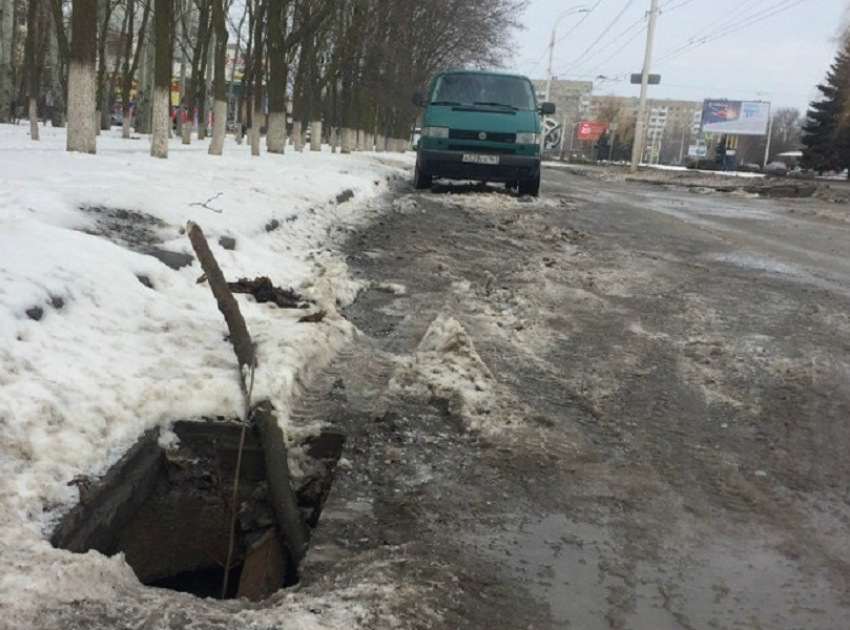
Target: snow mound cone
446	365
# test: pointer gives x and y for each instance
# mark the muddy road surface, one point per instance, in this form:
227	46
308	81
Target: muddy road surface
615	406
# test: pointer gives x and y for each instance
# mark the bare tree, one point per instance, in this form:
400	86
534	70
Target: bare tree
130	57
34	52
219	89
786	130
162	78
7	9
82	88
257	74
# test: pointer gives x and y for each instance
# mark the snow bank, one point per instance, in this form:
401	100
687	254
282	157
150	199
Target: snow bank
99	340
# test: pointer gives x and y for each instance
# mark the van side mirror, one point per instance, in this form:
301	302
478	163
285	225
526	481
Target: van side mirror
547	108
417	99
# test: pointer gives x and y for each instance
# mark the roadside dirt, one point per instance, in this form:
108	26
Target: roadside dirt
578	412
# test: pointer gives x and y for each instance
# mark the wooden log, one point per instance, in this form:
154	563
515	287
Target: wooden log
227	304
279	480
281	493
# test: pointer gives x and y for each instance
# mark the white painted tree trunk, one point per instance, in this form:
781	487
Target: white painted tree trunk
33	113
380	143
345	140
276	133
257	120
297	136
316	135
82	136
219	125
161	127
126	124
360	142
186	133
368	141
334	138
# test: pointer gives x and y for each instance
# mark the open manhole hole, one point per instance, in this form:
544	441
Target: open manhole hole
168	511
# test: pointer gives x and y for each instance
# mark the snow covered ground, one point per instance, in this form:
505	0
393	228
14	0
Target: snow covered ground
91	356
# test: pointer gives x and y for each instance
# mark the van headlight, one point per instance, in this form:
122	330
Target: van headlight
528	138
435	132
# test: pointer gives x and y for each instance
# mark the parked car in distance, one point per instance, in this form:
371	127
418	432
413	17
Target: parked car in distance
777	169
483	126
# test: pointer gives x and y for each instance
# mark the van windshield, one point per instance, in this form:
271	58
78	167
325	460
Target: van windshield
483	89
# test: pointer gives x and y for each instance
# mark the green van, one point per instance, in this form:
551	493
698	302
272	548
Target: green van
483	126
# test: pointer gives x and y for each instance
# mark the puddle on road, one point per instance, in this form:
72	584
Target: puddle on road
583	574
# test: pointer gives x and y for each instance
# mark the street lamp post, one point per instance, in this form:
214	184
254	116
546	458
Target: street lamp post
570	11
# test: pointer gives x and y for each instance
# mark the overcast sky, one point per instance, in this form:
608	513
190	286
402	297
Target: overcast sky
773	50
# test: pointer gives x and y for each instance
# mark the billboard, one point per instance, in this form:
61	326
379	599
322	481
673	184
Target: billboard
748	118
591	129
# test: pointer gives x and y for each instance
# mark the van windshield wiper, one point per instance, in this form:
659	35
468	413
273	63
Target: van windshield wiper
444	103
493	104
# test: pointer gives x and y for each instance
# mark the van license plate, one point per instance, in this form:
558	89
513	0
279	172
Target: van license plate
477	158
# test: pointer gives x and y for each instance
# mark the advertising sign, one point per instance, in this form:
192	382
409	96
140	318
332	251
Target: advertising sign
697	150
591	129
749	118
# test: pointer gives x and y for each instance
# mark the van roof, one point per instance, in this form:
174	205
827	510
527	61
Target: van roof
496	72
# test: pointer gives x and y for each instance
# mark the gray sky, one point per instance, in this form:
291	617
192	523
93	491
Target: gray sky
771	50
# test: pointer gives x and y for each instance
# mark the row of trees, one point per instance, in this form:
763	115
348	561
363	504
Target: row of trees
346	68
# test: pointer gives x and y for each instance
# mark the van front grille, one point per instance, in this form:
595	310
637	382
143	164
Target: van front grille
491	136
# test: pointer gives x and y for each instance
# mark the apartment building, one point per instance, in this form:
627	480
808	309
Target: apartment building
670	127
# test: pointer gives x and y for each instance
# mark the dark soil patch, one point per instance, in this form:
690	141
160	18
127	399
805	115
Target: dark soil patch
264	291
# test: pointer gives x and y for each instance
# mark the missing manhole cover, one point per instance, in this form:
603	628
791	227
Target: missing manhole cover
169	511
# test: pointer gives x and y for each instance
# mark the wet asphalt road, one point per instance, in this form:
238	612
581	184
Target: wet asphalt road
667	445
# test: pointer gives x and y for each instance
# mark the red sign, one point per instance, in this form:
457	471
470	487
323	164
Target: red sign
591	129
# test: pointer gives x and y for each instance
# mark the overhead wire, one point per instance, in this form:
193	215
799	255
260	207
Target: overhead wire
560	39
617	38
604	32
718	33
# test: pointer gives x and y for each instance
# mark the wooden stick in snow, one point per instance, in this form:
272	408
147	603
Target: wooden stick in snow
227	304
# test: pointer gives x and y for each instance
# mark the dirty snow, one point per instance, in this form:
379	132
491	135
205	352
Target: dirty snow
91	356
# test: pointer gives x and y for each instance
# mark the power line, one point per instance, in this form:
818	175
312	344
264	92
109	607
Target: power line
569	32
617	38
616	52
605	31
718	33
579	23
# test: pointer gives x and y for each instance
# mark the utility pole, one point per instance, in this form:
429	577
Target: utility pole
769	133
637	150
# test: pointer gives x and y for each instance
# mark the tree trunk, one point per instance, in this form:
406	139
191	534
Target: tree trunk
316	135
257	78
32	73
82	88
7	8
161	102
345	135
297	136
219	89
278	76
57	82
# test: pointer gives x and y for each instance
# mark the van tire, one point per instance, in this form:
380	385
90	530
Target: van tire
421	180
530	186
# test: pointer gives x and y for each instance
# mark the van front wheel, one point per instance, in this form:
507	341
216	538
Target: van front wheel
530	186
421	180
